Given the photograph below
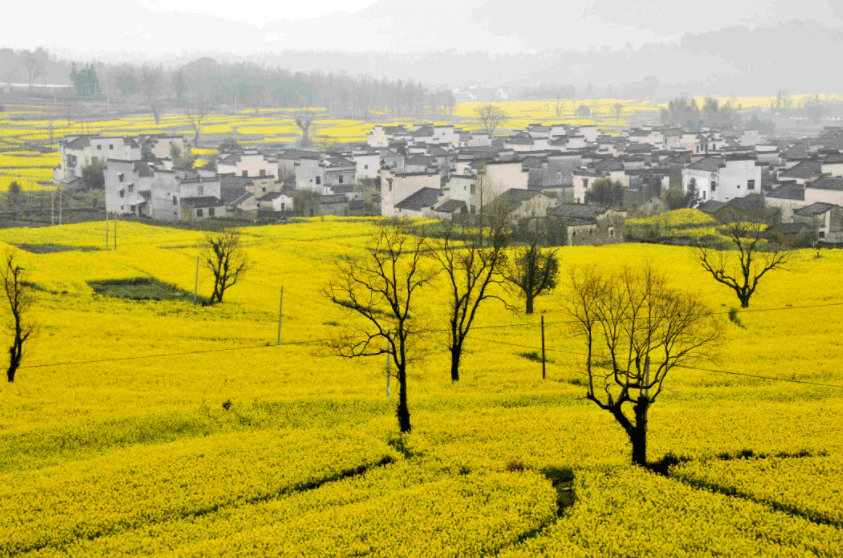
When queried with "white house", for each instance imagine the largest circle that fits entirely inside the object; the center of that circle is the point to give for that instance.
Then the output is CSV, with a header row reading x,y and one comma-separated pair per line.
x,y
78,151
397,187
128,187
380,136
723,178
368,163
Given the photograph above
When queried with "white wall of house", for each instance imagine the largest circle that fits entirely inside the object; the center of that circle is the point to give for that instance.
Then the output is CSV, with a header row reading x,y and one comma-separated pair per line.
x,y
377,137
736,180
398,187
251,165
100,148
161,146
507,175
445,134
689,142
582,182
165,202
368,164
739,179
813,195
833,169
480,139
199,188
786,207
589,132
123,189
310,175
461,187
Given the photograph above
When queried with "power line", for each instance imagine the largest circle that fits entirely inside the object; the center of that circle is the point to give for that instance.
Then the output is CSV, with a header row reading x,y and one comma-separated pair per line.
x,y
185,353
758,376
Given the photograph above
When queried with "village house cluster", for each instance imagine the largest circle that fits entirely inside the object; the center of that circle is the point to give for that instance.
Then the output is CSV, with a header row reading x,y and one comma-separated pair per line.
x,y
544,171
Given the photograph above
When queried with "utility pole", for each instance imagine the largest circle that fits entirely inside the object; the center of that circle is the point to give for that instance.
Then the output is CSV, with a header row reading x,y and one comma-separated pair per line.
x,y
115,230
60,203
196,282
280,313
646,392
53,207
544,371
106,230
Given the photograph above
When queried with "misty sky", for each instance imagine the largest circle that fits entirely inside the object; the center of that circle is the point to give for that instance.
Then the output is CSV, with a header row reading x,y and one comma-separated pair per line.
x,y
257,12
189,28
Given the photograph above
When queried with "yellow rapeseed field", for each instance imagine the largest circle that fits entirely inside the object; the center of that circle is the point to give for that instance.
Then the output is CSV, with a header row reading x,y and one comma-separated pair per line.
x,y
139,428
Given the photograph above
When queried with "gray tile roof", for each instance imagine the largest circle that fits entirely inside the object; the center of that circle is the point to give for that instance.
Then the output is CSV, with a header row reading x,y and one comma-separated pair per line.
x,y
424,198
815,209
835,183
451,206
805,169
711,206
579,211
200,202
709,164
789,191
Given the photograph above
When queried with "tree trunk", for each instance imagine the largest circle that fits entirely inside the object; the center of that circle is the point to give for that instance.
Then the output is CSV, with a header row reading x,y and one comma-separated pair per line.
x,y
638,434
456,352
403,412
15,354
529,304
744,301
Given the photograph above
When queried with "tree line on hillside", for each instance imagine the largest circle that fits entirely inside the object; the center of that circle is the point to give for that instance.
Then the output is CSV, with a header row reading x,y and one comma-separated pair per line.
x,y
241,84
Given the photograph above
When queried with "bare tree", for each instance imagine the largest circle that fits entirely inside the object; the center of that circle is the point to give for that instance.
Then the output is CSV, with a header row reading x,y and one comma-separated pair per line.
x,y
196,112
560,102
34,65
742,269
618,108
178,83
646,329
472,272
304,120
224,255
491,117
532,272
19,297
380,287
151,81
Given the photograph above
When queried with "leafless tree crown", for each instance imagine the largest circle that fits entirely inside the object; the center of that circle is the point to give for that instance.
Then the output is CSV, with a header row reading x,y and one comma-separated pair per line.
x,y
636,329
753,256
491,117
223,254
